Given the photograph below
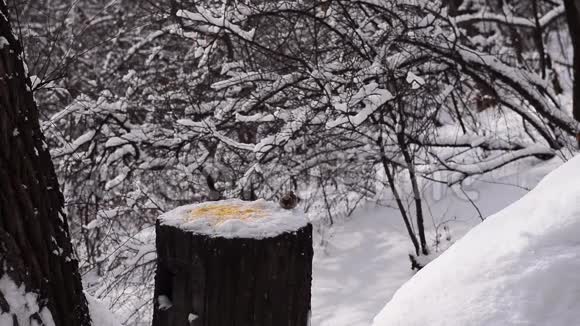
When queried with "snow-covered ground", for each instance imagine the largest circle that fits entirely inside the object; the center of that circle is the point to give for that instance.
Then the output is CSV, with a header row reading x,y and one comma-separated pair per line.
x,y
366,257
520,267
364,263
100,314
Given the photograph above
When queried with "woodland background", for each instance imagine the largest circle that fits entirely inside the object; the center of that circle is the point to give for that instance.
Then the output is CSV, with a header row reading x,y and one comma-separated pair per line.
x,y
148,105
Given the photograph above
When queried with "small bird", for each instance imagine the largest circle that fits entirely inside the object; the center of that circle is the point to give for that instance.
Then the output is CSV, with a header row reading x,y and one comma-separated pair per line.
x,y
289,200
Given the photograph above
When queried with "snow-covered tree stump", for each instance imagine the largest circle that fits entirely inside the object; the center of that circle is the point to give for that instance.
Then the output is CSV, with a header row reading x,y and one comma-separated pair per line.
x,y
231,263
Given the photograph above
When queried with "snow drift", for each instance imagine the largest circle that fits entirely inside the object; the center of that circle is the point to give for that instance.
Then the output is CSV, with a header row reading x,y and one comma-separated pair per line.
x,y
519,267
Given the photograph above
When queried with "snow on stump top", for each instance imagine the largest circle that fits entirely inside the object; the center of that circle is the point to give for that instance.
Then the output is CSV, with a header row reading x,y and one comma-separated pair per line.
x,y
234,218
233,262
519,267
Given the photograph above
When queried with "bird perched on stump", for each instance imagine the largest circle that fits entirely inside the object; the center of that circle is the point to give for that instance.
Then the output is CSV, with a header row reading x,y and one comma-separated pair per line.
x,y
289,200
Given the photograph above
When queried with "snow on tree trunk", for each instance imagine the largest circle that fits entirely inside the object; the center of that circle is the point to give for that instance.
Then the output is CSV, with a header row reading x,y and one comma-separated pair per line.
x,y
233,263
39,279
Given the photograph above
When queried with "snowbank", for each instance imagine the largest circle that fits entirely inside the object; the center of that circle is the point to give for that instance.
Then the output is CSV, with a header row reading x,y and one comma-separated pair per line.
x,y
21,305
519,267
234,218
100,315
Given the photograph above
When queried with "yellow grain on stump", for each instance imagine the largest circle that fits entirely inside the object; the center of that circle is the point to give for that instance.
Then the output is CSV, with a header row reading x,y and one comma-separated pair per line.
x,y
220,213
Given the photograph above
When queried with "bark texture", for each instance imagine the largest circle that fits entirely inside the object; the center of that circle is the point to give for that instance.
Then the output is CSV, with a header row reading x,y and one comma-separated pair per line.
x,y
573,17
225,282
35,247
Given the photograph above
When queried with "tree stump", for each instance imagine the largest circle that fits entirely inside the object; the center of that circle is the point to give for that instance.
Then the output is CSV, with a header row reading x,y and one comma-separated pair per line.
x,y
232,263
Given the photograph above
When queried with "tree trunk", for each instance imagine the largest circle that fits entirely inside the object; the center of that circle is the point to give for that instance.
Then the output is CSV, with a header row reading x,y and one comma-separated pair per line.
x,y
214,281
35,249
573,17
416,193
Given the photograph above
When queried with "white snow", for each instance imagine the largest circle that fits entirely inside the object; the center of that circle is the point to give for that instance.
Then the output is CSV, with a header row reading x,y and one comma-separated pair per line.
x,y
215,24
75,145
414,80
192,317
100,315
371,95
510,19
98,222
164,302
244,78
22,305
519,267
359,268
35,81
249,219
365,258
115,181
